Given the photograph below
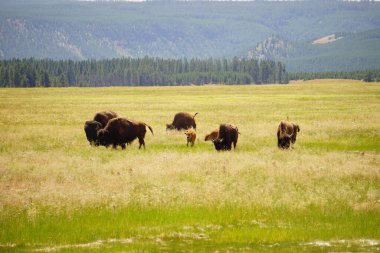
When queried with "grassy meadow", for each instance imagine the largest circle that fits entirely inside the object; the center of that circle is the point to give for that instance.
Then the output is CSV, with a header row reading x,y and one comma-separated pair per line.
x,y
59,194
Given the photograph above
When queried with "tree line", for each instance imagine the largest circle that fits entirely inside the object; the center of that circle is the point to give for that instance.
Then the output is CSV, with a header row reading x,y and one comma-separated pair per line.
x,y
138,72
365,75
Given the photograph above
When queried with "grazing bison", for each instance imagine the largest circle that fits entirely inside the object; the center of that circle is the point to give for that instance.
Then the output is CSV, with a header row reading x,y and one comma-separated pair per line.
x,y
212,136
228,134
286,134
121,131
191,135
104,116
91,129
100,120
182,120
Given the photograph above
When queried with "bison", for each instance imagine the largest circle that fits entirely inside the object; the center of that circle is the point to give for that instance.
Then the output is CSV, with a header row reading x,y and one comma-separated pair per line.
x,y
122,131
182,120
91,129
228,134
212,136
100,120
191,135
286,134
104,116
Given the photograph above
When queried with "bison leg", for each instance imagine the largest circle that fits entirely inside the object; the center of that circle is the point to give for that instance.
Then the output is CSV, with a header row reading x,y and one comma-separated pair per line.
x,y
142,142
234,144
114,146
122,146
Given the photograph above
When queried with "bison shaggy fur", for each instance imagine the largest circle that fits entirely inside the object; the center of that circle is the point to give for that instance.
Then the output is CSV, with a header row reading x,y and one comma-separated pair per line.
x,y
228,135
286,134
122,131
182,120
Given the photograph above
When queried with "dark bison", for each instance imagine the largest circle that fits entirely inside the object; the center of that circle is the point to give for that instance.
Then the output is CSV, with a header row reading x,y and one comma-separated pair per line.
x,y
286,134
92,127
121,131
228,134
182,120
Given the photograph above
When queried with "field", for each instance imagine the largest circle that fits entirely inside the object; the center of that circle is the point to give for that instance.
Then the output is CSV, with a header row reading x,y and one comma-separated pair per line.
x,y
59,194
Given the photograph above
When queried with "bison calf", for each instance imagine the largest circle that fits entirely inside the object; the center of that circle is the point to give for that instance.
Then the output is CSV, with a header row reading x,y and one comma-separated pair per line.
x,y
121,131
286,134
228,134
182,120
212,136
191,135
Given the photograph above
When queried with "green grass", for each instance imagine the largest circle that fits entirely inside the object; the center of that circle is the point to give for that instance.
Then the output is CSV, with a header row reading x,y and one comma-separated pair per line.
x,y
60,194
203,228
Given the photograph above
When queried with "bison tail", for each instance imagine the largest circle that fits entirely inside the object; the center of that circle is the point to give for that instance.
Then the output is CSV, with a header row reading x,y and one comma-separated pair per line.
x,y
195,115
150,128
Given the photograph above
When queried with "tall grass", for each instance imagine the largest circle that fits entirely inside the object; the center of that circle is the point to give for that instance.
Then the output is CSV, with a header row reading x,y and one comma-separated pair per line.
x,y
56,189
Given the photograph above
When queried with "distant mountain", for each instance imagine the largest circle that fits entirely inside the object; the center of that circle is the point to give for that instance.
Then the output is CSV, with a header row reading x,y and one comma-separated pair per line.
x,y
335,52
283,30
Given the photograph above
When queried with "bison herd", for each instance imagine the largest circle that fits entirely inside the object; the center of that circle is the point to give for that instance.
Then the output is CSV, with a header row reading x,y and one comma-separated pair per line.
x,y
107,129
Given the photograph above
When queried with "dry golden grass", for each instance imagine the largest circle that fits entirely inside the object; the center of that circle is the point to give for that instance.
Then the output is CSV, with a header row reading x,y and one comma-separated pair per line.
x,y
45,158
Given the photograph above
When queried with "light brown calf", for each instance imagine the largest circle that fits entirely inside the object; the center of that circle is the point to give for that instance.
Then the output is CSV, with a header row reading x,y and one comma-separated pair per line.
x,y
212,136
191,135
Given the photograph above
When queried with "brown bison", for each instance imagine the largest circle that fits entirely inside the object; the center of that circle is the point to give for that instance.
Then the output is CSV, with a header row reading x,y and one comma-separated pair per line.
x,y
182,120
92,127
212,136
286,134
104,116
228,134
191,135
122,131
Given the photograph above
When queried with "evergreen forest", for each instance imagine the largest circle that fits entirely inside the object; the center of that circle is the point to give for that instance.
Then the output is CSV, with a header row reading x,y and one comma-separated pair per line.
x,y
138,72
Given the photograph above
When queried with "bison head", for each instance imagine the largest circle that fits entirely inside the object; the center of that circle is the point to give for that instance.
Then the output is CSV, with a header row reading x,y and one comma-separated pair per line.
x,y
91,128
103,137
284,142
219,144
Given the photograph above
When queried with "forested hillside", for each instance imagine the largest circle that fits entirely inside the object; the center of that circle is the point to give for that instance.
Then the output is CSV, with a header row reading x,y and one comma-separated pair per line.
x,y
347,52
81,30
138,72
